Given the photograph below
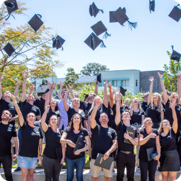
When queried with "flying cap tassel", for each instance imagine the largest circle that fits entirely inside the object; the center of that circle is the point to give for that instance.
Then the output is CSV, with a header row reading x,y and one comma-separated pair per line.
x,y
106,35
101,10
172,47
103,45
132,25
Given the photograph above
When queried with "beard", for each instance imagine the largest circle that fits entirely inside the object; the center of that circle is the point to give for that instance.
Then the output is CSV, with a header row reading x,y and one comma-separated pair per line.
x,y
4,119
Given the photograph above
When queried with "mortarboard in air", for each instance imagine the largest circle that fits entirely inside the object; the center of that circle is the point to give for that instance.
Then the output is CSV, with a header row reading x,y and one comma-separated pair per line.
x,y
42,89
112,18
11,6
122,90
121,17
175,13
93,41
99,28
175,55
93,10
9,49
99,78
58,42
152,5
36,22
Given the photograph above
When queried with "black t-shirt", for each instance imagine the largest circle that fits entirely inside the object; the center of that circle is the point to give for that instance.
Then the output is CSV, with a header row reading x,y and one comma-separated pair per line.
x,y
26,108
73,137
52,143
102,140
168,142
149,144
111,122
7,106
51,113
40,103
144,106
125,107
30,140
6,133
121,128
136,118
154,114
101,110
71,112
168,113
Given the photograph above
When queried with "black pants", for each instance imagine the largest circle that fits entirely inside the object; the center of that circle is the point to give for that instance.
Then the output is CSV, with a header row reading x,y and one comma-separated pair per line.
x,y
7,164
148,167
52,168
125,160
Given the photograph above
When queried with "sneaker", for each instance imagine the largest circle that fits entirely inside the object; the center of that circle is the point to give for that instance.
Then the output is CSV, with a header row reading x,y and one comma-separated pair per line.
x,y
17,169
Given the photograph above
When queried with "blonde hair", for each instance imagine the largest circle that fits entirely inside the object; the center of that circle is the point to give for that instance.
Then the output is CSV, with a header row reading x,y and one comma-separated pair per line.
x,y
160,107
93,104
160,129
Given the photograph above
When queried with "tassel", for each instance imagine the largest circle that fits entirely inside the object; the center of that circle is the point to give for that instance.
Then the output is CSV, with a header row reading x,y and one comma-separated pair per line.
x,y
103,45
172,47
106,35
62,49
39,15
101,10
8,17
132,25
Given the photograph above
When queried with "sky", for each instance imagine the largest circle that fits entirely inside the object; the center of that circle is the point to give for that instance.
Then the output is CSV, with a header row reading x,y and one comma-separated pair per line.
x,y
144,48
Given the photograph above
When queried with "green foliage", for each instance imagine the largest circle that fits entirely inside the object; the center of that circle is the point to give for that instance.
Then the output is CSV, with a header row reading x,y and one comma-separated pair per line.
x,y
71,79
92,69
170,74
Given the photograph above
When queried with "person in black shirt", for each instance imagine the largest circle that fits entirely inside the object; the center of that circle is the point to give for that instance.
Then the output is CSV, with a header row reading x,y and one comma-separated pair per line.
x,y
144,103
155,108
6,104
7,132
169,160
51,164
31,147
75,159
127,103
125,156
104,141
148,138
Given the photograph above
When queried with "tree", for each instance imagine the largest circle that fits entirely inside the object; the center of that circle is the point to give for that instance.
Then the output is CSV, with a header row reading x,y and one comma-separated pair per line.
x,y
92,69
32,49
170,74
71,79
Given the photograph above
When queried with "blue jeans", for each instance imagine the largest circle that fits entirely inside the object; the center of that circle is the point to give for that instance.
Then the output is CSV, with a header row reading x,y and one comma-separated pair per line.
x,y
20,140
78,164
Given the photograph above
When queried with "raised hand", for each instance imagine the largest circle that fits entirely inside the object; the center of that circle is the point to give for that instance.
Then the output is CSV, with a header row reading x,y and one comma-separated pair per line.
x,y
70,87
25,76
109,85
160,76
61,84
47,108
96,82
117,96
105,83
53,85
32,87
151,79
18,83
13,97
178,76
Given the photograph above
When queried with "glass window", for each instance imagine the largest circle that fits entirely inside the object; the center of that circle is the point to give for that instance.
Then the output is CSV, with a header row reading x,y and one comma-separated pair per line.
x,y
116,83
125,83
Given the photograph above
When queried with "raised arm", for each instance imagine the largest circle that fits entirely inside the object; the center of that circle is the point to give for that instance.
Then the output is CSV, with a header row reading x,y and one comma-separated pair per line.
x,y
163,88
43,119
21,119
175,120
118,114
110,95
71,92
51,88
93,115
105,100
16,89
179,85
96,87
60,90
25,76
32,87
0,87
64,99
151,89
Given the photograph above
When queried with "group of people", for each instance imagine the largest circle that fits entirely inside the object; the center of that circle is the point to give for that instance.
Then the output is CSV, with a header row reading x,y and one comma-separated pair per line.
x,y
105,126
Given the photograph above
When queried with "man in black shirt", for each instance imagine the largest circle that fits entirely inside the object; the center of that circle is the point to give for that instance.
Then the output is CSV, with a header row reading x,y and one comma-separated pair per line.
x,y
7,131
125,156
104,141
6,104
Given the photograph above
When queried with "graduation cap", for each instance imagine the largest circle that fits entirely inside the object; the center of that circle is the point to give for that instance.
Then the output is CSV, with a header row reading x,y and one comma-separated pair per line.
x,y
86,96
93,10
175,13
122,90
152,5
175,55
58,42
99,28
11,6
42,89
9,49
93,41
120,16
99,78
36,22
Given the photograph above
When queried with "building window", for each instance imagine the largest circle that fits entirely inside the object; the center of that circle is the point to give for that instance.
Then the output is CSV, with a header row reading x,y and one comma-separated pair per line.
x,y
116,83
136,83
125,83
109,81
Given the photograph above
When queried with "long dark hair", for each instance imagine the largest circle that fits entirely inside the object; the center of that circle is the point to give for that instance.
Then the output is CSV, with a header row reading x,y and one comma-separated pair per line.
x,y
72,124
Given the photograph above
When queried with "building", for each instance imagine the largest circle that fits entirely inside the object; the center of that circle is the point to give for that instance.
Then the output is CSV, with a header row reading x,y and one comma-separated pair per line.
x,y
133,80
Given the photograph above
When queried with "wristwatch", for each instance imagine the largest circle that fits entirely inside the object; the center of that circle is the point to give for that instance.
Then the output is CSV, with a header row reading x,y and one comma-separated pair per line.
x,y
40,155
